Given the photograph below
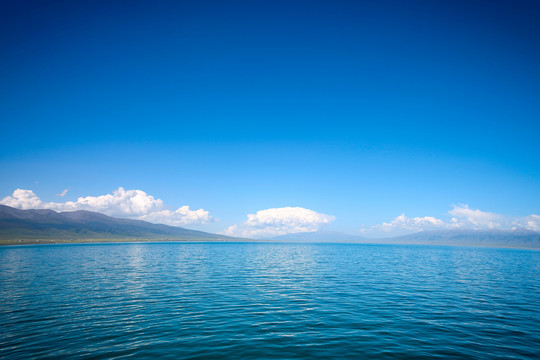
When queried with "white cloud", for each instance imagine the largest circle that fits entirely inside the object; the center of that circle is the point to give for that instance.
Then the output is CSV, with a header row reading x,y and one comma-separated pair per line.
x,y
63,193
403,222
460,217
182,216
279,221
476,219
531,222
23,199
122,203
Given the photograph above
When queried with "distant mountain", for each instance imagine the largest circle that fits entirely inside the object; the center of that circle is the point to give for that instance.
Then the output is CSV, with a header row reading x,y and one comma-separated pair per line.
x,y
48,226
30,226
519,238
318,236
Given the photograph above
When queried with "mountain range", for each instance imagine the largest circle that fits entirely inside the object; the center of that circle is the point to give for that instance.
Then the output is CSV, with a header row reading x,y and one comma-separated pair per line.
x,y
517,238
48,226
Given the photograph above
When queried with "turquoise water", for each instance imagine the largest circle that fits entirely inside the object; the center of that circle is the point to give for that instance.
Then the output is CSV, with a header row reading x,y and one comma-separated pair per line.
x,y
268,301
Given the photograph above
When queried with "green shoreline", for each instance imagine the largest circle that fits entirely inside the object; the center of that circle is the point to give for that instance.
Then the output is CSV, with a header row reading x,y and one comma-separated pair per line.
x,y
228,240
119,240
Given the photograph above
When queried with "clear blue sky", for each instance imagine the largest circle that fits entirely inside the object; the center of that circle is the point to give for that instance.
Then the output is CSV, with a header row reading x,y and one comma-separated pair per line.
x,y
362,110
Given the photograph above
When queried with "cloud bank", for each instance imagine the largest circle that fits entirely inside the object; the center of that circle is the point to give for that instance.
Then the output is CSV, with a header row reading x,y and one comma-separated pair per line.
x,y
279,221
135,204
461,217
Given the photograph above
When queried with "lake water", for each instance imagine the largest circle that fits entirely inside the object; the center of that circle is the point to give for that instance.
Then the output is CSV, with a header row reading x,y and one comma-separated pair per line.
x,y
268,301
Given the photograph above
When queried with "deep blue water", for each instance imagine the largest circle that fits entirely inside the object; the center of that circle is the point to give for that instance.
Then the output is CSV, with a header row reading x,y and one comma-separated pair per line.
x,y
268,301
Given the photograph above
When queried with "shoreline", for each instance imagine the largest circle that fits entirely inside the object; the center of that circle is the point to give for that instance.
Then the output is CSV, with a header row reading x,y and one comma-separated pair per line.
x,y
19,242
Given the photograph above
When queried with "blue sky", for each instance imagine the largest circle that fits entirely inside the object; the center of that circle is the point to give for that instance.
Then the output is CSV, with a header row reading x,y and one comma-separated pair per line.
x,y
360,111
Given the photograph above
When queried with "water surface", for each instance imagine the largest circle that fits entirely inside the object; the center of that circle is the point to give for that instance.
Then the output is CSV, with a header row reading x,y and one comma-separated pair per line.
x,y
268,301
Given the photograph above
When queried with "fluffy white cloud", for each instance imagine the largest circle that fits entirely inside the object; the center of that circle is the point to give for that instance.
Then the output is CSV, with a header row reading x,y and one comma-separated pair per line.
x,y
23,199
120,203
531,222
279,221
403,222
461,217
123,203
466,217
182,216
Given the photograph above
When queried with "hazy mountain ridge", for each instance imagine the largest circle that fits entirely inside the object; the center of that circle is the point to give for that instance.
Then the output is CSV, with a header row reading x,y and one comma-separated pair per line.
x,y
24,226
34,224
518,238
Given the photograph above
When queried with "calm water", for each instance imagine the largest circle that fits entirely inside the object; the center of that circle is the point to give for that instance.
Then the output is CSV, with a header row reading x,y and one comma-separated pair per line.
x,y
268,301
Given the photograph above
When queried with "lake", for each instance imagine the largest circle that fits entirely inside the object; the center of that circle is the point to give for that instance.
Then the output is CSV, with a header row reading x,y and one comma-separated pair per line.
x,y
268,301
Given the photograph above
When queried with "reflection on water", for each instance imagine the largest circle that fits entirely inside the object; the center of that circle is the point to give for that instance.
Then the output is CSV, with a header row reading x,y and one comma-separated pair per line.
x,y
267,301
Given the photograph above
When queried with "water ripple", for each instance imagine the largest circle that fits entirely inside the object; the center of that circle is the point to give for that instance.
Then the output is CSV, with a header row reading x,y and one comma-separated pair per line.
x,y
268,301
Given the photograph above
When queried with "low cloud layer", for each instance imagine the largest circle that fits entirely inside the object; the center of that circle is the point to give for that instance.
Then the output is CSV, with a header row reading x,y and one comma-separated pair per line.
x,y
460,217
135,204
531,222
279,221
